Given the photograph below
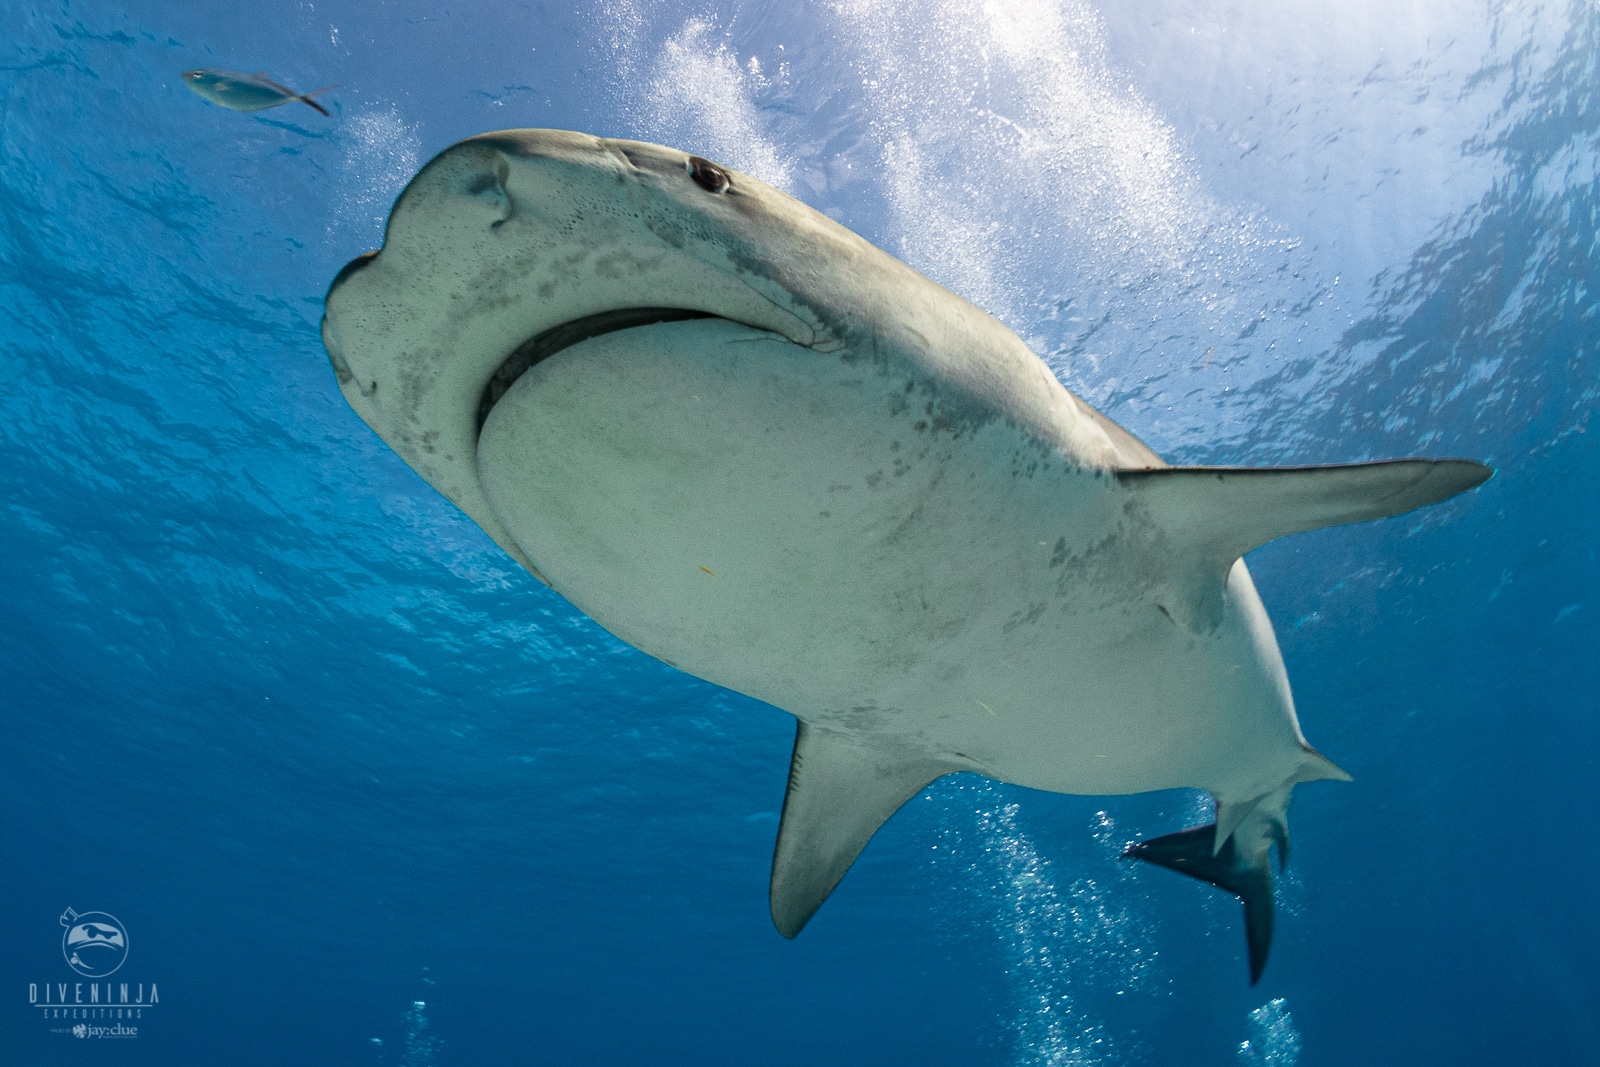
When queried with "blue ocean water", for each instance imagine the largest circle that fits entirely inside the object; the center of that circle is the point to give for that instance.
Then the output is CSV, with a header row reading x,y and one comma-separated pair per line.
x,y
358,791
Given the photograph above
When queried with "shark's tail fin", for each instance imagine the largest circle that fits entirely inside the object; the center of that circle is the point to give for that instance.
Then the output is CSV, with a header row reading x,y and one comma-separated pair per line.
x,y
1246,876
305,98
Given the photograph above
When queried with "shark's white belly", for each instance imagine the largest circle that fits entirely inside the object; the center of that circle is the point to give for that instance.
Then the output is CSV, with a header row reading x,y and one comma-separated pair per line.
x,y
816,531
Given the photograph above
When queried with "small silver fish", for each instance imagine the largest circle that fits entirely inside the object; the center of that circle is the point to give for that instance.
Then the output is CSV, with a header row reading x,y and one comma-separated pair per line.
x,y
246,92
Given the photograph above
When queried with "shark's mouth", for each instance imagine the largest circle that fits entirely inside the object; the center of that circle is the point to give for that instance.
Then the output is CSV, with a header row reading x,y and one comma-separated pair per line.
x,y
542,346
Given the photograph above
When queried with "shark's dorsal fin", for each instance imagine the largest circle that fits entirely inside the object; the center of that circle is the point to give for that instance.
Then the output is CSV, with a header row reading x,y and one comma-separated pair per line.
x,y
840,792
1207,517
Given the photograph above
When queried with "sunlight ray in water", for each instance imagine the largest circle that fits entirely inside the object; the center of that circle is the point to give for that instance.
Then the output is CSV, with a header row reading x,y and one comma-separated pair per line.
x,y
1079,218
700,95
693,90
1026,104
381,153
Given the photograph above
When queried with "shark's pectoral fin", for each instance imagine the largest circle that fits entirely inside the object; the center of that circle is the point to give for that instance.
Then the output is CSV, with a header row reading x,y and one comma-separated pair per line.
x,y
840,792
1247,875
1220,513
1233,509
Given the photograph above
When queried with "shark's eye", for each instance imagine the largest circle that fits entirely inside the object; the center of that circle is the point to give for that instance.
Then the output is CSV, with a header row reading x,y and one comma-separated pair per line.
x,y
708,176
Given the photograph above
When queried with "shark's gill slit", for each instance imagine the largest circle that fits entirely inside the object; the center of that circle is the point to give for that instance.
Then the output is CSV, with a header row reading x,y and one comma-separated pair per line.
x,y
541,346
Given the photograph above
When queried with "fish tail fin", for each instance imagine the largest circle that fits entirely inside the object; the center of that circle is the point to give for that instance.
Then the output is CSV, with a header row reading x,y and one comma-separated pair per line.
x,y
305,98
1244,872
1235,853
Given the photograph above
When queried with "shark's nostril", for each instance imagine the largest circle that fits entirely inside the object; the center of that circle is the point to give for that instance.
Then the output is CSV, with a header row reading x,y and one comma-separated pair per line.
x,y
708,176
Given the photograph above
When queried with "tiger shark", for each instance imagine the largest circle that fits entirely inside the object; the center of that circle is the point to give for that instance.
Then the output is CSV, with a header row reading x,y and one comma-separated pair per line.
x,y
758,448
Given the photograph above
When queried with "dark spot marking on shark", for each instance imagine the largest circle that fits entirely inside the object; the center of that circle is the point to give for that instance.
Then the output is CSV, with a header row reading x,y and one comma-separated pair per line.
x,y
708,176
1059,556
542,346
1020,618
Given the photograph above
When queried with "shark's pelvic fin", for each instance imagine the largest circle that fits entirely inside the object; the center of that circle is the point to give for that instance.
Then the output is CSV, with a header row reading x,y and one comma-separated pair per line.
x,y
1229,816
1246,873
1214,515
840,792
